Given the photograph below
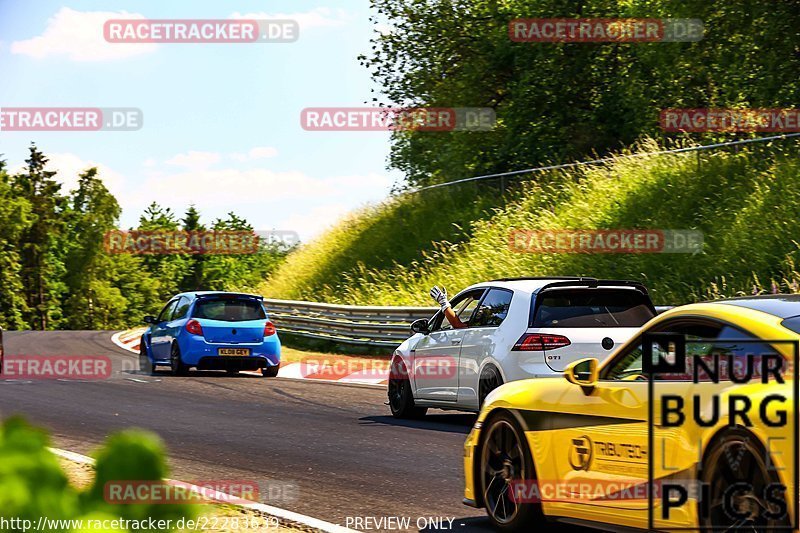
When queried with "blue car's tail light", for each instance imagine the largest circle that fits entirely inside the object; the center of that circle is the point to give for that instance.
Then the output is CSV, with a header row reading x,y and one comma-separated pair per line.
x,y
269,329
194,327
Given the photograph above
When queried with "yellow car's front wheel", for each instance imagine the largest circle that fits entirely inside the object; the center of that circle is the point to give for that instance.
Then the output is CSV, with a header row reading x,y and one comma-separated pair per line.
x,y
506,470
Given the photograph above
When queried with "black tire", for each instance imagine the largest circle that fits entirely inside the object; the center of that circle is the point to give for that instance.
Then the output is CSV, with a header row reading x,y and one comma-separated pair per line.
x,y
490,380
146,366
401,398
737,456
270,371
177,367
505,458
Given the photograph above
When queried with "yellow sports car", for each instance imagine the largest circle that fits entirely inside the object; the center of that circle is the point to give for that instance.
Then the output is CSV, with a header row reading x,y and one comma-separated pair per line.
x,y
689,425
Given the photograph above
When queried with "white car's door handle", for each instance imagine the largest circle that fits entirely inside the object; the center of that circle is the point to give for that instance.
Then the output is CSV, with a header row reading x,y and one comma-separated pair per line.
x,y
456,341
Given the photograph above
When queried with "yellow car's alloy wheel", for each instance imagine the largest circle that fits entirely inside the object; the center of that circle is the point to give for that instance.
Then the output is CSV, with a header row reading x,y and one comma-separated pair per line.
x,y
738,458
506,464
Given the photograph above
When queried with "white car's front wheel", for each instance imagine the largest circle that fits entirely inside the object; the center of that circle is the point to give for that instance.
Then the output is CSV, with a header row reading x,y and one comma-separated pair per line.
x,y
401,397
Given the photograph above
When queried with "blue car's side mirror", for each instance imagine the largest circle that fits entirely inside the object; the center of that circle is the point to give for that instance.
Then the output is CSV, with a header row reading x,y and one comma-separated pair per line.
x,y
150,319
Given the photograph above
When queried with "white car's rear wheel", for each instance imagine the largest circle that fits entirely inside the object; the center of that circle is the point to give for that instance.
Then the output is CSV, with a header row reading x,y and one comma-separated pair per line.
x,y
490,380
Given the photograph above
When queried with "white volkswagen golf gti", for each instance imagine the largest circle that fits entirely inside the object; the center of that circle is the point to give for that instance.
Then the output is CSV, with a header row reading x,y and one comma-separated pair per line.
x,y
514,329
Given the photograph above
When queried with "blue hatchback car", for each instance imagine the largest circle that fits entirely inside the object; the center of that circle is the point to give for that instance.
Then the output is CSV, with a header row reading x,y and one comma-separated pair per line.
x,y
211,331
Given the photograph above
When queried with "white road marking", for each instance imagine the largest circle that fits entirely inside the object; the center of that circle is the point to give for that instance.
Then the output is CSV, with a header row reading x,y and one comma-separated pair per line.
x,y
277,512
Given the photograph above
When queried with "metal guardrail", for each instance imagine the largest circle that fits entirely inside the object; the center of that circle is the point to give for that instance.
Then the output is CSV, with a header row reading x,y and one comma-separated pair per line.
x,y
351,324
348,324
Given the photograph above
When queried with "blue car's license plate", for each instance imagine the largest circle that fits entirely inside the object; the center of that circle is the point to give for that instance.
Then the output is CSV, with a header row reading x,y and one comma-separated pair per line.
x,y
233,351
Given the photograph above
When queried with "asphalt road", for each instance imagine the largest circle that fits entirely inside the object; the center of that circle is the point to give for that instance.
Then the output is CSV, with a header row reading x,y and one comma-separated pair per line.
x,y
330,451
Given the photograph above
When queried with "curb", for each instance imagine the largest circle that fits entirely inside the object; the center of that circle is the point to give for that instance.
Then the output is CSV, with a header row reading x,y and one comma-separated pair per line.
x,y
306,522
129,340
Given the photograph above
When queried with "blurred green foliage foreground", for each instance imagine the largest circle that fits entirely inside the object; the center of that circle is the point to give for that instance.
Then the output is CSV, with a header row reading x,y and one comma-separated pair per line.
x,y
33,485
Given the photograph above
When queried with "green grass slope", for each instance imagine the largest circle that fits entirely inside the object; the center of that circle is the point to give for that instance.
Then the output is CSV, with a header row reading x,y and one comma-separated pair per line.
x,y
399,231
747,204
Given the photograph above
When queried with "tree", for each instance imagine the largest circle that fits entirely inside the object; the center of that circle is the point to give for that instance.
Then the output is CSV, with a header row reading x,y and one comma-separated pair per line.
x,y
40,265
240,271
93,302
15,218
557,102
193,280
55,271
168,269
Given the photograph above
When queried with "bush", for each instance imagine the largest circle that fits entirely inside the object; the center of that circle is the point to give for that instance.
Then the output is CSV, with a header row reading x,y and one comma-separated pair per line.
x,y
32,484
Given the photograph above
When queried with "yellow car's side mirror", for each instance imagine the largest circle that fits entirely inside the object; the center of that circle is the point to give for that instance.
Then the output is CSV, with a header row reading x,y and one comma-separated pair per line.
x,y
583,372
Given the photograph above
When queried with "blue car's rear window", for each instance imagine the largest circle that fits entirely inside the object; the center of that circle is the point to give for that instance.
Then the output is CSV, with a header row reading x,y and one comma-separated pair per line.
x,y
229,310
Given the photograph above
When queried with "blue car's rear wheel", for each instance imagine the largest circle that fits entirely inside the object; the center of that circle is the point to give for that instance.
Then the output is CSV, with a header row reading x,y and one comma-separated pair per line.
x,y
145,365
178,367
270,371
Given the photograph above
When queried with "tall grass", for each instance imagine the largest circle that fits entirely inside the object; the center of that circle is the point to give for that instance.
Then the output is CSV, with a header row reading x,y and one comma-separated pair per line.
x,y
747,204
401,231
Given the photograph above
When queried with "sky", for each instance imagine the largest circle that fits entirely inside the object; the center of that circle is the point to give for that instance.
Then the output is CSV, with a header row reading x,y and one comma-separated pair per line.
x,y
221,124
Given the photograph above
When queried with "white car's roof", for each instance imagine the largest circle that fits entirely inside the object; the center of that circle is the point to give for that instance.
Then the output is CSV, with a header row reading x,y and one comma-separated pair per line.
x,y
532,285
